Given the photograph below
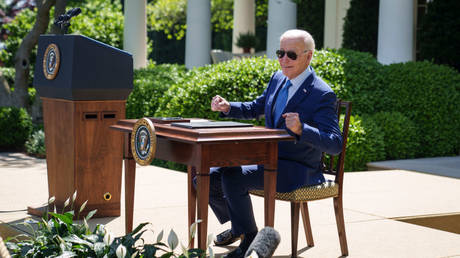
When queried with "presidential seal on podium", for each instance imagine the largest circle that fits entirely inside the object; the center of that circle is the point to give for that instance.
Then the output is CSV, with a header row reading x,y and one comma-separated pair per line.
x,y
143,142
51,61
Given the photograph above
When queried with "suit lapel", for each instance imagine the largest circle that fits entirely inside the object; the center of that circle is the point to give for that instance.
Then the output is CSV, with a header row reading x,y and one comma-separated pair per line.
x,y
301,93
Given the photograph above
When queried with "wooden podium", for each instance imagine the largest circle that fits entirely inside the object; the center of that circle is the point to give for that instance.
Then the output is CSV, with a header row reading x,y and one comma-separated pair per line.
x,y
84,85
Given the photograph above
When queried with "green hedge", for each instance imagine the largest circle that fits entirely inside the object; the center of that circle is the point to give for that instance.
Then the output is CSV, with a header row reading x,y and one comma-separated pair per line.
x,y
150,85
399,133
428,95
364,82
15,127
235,80
365,143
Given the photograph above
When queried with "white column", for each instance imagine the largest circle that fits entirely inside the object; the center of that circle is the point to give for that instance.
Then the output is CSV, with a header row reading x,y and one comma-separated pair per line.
x,y
243,20
282,16
395,40
198,35
135,32
335,12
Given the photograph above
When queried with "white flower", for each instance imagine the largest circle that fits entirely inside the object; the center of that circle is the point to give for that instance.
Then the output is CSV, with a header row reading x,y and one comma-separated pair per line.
x,y
121,251
108,238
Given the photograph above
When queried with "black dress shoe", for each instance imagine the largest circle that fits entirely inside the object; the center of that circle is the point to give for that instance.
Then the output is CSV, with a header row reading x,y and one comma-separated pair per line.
x,y
236,253
226,238
240,251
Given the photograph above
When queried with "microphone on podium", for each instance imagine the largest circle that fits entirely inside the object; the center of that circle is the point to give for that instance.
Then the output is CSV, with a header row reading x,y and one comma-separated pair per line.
x,y
264,244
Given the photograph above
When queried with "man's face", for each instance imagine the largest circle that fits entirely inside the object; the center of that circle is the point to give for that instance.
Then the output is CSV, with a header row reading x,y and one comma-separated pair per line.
x,y
292,68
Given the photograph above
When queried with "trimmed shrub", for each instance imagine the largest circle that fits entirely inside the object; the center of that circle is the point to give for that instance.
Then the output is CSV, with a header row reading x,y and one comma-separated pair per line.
x,y
400,135
15,127
35,145
354,76
428,95
360,28
150,85
329,66
235,80
364,82
365,143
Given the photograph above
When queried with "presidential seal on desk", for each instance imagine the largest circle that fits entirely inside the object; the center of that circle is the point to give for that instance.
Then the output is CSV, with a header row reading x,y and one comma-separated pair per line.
x,y
143,142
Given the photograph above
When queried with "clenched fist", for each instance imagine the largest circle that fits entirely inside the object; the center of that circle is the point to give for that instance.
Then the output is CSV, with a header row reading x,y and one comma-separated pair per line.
x,y
293,122
220,104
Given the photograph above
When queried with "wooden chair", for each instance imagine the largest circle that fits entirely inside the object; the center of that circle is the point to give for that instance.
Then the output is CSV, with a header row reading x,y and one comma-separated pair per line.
x,y
332,188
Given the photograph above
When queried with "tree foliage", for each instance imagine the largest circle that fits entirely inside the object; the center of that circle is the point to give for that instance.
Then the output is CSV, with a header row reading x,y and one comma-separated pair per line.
x,y
170,16
435,44
360,29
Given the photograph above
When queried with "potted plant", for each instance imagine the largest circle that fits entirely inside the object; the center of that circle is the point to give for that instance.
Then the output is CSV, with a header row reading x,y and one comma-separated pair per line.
x,y
246,41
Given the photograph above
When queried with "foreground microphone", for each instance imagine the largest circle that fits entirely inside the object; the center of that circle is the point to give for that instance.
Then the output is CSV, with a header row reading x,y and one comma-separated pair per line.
x,y
264,244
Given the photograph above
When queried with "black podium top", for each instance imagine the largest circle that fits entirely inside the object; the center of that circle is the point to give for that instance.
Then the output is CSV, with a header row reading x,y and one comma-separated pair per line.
x,y
75,67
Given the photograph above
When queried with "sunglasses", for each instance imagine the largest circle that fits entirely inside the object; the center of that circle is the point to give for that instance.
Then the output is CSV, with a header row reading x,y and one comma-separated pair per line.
x,y
291,54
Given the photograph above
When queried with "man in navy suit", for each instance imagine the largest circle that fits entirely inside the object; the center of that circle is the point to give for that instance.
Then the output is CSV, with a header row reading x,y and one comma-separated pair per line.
x,y
296,100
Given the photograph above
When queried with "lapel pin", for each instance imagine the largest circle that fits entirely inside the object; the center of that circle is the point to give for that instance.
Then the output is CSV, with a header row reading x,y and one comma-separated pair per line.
x,y
304,90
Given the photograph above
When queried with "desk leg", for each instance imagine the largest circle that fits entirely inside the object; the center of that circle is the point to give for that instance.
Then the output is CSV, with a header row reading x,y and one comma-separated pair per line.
x,y
269,198
203,200
191,173
130,179
270,185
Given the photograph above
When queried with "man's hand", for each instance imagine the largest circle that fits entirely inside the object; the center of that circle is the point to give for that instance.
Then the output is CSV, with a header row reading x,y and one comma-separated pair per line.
x,y
220,104
293,122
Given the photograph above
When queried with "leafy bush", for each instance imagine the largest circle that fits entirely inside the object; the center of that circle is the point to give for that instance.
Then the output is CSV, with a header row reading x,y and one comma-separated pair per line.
x,y
150,85
364,82
57,235
428,95
400,135
360,28
365,143
35,145
354,76
235,80
15,127
329,66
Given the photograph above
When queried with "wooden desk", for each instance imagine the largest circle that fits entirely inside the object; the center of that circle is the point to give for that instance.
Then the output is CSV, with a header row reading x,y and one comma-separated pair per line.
x,y
201,149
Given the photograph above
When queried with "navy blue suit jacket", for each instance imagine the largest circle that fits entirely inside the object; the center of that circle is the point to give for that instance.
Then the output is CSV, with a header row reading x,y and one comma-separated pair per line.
x,y
299,162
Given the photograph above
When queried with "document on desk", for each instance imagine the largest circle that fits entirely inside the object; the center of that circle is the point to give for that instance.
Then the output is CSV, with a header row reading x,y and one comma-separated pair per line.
x,y
211,124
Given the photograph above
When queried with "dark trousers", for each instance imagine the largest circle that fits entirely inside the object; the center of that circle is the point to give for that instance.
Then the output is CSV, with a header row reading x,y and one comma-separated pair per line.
x,y
229,198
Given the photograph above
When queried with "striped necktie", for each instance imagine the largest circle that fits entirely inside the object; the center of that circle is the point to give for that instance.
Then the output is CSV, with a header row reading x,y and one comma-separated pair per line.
x,y
281,101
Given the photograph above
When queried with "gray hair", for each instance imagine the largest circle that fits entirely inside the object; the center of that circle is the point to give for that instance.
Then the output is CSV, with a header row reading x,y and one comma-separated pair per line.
x,y
300,34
